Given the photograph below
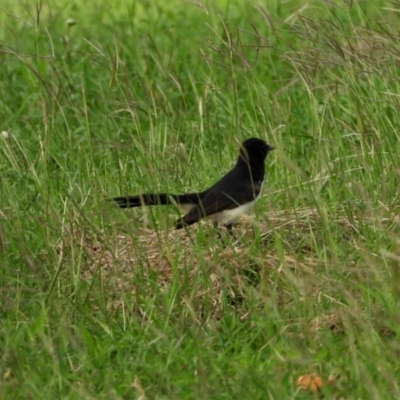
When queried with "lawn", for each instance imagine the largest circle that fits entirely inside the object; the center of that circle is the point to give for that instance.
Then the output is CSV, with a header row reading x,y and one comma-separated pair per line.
x,y
101,99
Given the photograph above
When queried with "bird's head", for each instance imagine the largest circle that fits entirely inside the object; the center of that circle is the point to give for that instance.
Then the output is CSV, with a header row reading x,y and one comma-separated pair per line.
x,y
254,150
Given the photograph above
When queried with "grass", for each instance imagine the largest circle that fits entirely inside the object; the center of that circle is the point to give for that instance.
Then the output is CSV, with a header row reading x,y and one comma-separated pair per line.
x,y
100,99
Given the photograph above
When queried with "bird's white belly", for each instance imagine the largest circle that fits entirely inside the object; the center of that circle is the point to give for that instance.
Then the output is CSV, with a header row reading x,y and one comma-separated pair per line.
x,y
230,216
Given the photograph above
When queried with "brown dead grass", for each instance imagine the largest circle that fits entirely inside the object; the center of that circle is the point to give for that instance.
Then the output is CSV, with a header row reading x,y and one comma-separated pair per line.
x,y
129,263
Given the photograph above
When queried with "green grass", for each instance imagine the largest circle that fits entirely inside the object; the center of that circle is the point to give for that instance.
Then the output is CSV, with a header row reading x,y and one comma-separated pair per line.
x,y
97,303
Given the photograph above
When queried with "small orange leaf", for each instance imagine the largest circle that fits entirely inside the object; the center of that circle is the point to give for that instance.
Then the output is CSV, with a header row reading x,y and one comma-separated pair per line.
x,y
331,381
310,382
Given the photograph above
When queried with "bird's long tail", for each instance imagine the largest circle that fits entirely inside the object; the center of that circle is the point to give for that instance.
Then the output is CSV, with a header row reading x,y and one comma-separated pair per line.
x,y
157,199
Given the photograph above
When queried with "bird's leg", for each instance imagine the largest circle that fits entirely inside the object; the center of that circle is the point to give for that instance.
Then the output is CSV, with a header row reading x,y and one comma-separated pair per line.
x,y
229,229
218,232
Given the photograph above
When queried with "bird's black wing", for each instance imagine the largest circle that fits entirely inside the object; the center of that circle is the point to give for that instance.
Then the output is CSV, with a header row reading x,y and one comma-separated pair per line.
x,y
218,201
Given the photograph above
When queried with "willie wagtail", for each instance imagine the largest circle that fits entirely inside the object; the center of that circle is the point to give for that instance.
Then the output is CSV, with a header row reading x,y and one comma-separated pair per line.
x,y
225,201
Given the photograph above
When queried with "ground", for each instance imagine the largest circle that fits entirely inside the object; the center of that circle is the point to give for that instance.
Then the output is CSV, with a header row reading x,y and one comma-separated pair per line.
x,y
106,99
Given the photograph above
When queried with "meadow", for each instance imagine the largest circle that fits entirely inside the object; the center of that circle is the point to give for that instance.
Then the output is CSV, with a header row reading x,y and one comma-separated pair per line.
x,y
111,98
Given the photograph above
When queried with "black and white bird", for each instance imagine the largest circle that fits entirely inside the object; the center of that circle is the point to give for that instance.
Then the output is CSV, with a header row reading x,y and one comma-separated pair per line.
x,y
224,202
